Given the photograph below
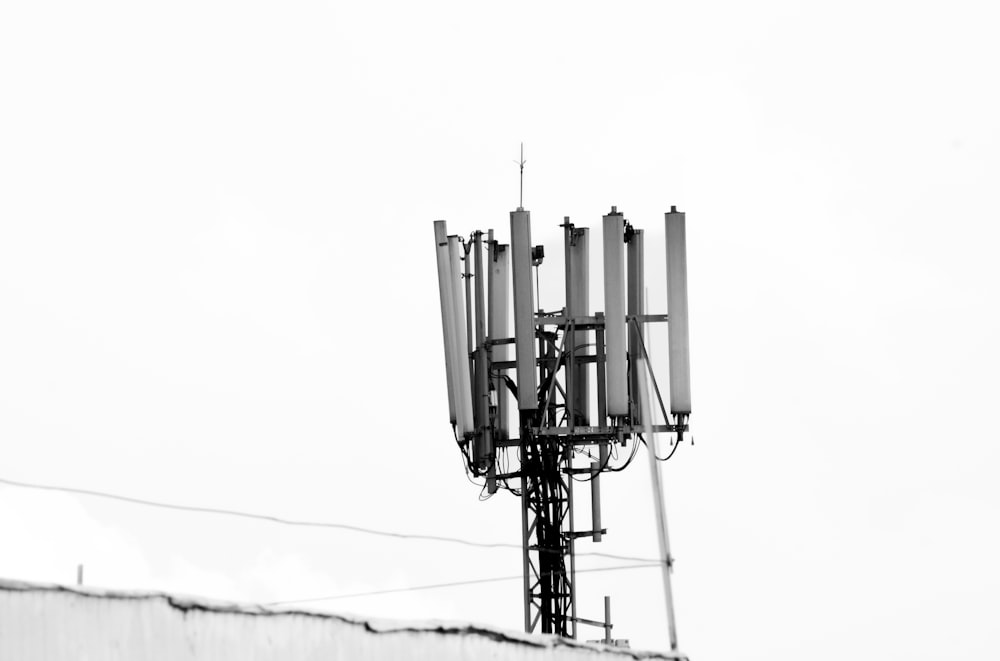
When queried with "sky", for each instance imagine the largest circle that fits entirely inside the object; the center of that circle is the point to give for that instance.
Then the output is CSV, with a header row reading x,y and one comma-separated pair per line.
x,y
218,288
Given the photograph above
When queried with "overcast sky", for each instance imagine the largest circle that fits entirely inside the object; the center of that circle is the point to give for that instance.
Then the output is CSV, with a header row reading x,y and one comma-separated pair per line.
x,y
218,287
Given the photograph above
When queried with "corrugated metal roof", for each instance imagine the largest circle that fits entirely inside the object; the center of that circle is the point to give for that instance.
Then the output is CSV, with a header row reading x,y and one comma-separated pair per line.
x,y
56,622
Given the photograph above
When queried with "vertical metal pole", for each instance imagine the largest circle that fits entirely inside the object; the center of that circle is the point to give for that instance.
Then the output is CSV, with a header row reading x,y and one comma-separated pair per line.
x,y
544,536
489,285
79,574
572,542
607,620
602,391
595,498
664,542
602,419
577,390
569,342
526,537
659,509
543,517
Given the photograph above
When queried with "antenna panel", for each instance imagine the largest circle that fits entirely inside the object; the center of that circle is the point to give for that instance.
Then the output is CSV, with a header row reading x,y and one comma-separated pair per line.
x,y
578,305
637,330
447,312
614,313
483,445
677,314
463,381
499,328
524,310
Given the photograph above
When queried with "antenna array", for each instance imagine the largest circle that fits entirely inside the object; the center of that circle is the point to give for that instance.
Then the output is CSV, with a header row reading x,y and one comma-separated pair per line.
x,y
543,388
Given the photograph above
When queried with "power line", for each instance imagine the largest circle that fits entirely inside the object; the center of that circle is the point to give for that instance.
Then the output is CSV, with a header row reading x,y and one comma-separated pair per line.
x,y
292,522
434,586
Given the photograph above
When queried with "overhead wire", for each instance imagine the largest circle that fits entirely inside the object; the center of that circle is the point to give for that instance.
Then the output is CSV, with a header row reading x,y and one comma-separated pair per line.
x,y
434,586
288,522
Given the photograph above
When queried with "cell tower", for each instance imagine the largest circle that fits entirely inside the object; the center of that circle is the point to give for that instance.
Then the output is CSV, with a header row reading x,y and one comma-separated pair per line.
x,y
542,390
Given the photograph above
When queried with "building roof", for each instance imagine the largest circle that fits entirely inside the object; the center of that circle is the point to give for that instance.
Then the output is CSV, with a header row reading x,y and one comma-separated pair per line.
x,y
50,621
